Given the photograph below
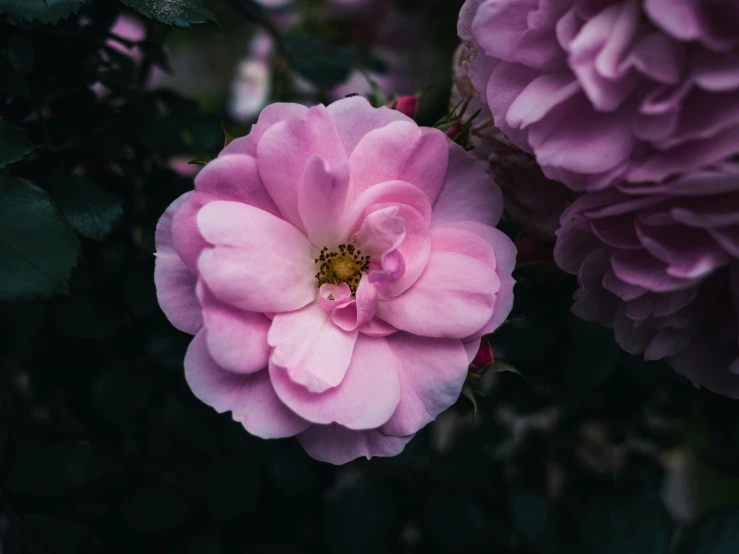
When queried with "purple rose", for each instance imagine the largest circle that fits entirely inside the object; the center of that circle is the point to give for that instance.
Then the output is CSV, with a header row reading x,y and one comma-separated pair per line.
x,y
530,198
661,266
609,92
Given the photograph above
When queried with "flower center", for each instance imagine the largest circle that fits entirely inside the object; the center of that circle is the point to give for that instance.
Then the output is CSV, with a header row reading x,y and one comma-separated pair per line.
x,y
343,266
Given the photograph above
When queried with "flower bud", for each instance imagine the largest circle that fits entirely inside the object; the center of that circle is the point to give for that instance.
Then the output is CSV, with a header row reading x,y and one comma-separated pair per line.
x,y
484,357
407,105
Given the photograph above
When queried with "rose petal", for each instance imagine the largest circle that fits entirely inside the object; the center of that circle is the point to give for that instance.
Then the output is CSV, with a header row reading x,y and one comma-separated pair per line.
x,y
313,351
237,340
175,283
321,200
338,445
283,155
433,372
452,298
365,399
250,398
400,151
260,263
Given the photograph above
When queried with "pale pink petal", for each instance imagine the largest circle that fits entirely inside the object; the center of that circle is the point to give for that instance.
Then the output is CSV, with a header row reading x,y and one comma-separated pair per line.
x,y
453,298
381,230
468,193
402,261
400,151
260,263
313,351
505,250
471,349
433,372
355,117
357,312
186,237
332,296
250,398
338,445
321,200
390,270
237,340
389,193
452,239
365,399
377,328
272,114
175,283
283,155
235,177
503,307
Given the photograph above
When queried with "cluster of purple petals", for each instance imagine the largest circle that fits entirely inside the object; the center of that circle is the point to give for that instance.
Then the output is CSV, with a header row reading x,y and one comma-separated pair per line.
x,y
633,104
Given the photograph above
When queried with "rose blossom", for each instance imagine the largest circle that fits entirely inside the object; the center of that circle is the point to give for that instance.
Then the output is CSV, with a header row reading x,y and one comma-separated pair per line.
x,y
661,266
337,267
603,91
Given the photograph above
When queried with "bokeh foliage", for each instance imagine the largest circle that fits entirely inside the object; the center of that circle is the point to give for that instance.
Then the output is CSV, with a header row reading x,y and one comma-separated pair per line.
x,y
104,449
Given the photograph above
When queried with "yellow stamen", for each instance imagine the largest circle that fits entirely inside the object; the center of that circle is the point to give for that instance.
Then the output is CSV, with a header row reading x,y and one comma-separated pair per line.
x,y
343,266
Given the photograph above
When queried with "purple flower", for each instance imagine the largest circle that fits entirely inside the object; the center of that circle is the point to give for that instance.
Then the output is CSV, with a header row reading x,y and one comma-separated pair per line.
x,y
609,91
530,198
661,266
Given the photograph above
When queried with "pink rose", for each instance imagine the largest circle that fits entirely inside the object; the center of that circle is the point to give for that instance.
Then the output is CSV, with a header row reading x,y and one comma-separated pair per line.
x,y
337,267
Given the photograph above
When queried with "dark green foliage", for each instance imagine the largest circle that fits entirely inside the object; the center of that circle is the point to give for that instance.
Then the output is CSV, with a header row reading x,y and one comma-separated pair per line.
x,y
103,447
89,209
715,533
322,63
15,145
178,13
43,11
37,247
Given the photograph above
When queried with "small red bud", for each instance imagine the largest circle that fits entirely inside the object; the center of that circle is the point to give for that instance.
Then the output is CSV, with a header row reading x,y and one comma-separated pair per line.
x,y
484,357
455,130
407,105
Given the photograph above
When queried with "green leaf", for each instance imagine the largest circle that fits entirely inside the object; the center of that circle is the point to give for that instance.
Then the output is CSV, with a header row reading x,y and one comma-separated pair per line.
x,y
617,524
251,10
715,533
322,63
533,518
20,54
176,13
38,248
500,366
90,210
471,395
233,489
45,470
44,11
13,143
60,536
155,511
361,520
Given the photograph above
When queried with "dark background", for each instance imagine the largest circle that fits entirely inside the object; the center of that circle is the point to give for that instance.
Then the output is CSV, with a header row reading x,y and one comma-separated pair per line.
x,y
104,449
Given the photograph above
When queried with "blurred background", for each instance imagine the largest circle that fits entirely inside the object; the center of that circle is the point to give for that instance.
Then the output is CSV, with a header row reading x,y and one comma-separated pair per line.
x,y
581,449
